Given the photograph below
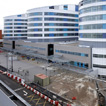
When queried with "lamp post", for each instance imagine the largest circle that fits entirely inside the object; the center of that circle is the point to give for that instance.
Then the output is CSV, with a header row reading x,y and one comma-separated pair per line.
x,y
12,61
46,79
7,61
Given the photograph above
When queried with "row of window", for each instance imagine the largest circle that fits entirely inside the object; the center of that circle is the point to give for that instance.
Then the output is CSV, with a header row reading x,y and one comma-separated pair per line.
x,y
93,18
72,53
15,20
60,24
35,14
61,34
15,24
16,34
90,1
79,64
34,35
61,14
99,55
15,31
15,27
93,9
53,19
53,24
93,26
53,35
20,19
99,66
92,35
34,30
59,29
35,19
20,34
35,24
60,19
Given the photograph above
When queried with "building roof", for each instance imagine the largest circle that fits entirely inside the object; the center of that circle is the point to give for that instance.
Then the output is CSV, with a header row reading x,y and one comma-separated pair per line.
x,y
42,76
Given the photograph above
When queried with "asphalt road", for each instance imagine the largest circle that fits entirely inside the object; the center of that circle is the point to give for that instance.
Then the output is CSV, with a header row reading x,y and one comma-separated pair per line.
x,y
27,95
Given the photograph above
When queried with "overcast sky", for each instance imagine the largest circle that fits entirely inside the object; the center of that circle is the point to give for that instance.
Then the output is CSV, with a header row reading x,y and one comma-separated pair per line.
x,y
13,7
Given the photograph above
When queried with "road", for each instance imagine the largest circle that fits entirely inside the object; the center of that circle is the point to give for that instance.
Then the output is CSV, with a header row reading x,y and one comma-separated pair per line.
x,y
27,95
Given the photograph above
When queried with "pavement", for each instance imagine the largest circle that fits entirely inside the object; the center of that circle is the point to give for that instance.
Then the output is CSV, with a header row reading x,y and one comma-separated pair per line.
x,y
33,67
27,95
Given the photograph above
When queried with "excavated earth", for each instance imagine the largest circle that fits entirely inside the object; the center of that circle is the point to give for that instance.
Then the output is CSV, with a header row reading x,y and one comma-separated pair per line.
x,y
71,84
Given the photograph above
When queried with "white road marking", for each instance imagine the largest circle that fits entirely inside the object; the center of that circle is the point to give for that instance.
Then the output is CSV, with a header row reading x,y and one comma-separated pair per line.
x,y
10,96
18,89
25,93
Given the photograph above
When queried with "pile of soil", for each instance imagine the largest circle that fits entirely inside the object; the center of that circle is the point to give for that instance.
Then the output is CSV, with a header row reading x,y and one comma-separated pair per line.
x,y
71,84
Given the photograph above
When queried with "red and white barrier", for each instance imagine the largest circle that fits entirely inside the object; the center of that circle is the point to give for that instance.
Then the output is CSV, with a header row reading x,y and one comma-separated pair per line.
x,y
1,71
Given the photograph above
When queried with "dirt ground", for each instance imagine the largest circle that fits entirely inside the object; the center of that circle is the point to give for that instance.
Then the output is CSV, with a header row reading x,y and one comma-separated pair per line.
x,y
71,84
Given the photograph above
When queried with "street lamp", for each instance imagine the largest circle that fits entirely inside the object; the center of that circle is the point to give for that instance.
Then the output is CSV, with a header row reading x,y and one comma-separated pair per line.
x,y
7,61
12,61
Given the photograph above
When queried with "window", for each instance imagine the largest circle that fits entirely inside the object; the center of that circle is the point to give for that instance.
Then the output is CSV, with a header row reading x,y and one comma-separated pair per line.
x,y
65,7
51,7
35,24
34,30
104,7
35,19
8,19
19,15
51,35
8,34
104,26
35,13
8,24
34,35
76,8
104,35
99,66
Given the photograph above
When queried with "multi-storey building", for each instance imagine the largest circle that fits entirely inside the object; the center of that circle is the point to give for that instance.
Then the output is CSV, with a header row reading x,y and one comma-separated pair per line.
x,y
93,31
53,23
15,27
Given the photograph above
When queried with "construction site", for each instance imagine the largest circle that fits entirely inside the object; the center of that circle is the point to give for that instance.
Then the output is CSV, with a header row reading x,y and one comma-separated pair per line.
x,y
76,88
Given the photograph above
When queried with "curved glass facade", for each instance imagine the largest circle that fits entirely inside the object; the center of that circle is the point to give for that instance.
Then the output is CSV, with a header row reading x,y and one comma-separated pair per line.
x,y
92,24
92,31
